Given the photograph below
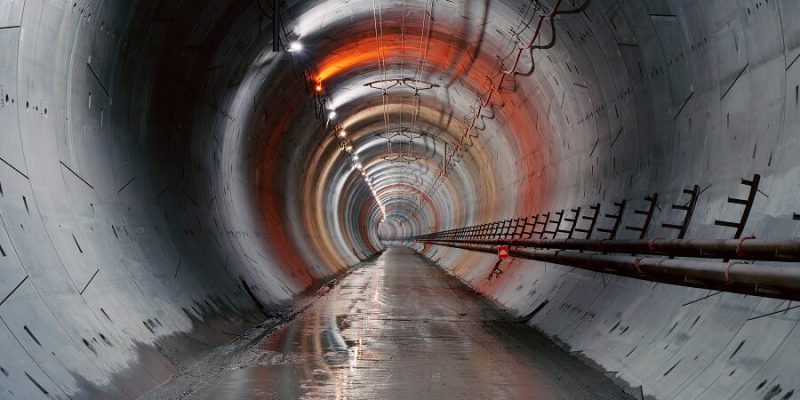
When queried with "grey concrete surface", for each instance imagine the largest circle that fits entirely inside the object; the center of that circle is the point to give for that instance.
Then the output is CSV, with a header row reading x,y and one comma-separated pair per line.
x,y
165,183
398,328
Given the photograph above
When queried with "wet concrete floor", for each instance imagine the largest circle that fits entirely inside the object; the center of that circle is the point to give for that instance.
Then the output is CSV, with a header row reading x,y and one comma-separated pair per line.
x,y
400,328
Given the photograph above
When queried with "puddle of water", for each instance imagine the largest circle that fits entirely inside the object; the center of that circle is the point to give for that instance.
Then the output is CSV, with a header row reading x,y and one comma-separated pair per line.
x,y
407,335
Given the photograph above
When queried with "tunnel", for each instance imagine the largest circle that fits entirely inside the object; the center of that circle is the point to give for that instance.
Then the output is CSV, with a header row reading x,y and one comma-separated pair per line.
x,y
566,198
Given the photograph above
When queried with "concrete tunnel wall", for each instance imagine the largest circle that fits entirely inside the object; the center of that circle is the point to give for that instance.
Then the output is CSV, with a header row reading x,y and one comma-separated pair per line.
x,y
163,179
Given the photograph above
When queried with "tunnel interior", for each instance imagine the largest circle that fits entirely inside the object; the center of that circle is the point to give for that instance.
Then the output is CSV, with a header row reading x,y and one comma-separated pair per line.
x,y
174,171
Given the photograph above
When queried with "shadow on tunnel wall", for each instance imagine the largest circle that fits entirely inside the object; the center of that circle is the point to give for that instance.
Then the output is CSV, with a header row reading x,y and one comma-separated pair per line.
x,y
129,225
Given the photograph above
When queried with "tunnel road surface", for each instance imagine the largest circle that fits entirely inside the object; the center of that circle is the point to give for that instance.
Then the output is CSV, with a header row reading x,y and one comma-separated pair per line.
x,y
401,328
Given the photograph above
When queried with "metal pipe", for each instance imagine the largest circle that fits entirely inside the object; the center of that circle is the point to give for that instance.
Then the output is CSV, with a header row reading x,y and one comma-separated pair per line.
x,y
740,249
767,280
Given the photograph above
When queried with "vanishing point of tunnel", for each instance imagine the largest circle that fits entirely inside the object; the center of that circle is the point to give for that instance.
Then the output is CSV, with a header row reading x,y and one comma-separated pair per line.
x,y
400,199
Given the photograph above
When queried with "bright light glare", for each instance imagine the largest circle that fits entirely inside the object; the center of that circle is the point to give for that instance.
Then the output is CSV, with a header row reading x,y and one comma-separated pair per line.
x,y
342,134
332,115
295,46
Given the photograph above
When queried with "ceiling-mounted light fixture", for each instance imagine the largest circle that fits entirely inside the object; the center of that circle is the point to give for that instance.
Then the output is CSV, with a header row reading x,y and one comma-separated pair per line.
x,y
332,114
295,46
342,134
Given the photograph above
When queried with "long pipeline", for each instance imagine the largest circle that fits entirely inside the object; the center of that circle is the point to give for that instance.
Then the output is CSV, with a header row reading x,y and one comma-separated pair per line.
x,y
747,248
776,280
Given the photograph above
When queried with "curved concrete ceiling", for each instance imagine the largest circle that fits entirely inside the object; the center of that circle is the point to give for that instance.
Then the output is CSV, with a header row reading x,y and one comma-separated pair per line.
x,y
164,173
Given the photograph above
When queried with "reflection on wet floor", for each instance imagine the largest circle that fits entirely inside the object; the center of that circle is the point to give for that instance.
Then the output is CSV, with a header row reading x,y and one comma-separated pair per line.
x,y
399,328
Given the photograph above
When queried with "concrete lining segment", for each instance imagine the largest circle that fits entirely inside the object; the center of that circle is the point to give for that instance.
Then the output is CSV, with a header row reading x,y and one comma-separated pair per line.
x,y
229,180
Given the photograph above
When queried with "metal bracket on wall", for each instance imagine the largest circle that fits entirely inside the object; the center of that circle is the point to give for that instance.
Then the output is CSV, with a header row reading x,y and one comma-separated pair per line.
x,y
648,216
612,233
415,84
493,231
452,233
557,223
544,224
694,193
479,234
512,227
519,228
747,203
532,225
592,221
508,228
499,229
574,221
478,231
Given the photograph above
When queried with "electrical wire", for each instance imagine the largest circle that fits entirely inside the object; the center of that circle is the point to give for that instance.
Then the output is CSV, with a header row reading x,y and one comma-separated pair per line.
x,y
487,98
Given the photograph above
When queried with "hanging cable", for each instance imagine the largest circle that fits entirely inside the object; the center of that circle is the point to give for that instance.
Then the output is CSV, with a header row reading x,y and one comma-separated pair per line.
x,y
487,98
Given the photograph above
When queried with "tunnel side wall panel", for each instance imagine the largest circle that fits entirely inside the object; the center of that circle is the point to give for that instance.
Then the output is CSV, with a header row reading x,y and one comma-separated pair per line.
x,y
109,274
710,102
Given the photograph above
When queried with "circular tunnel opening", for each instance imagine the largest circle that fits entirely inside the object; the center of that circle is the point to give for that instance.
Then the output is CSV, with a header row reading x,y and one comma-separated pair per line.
x,y
174,174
